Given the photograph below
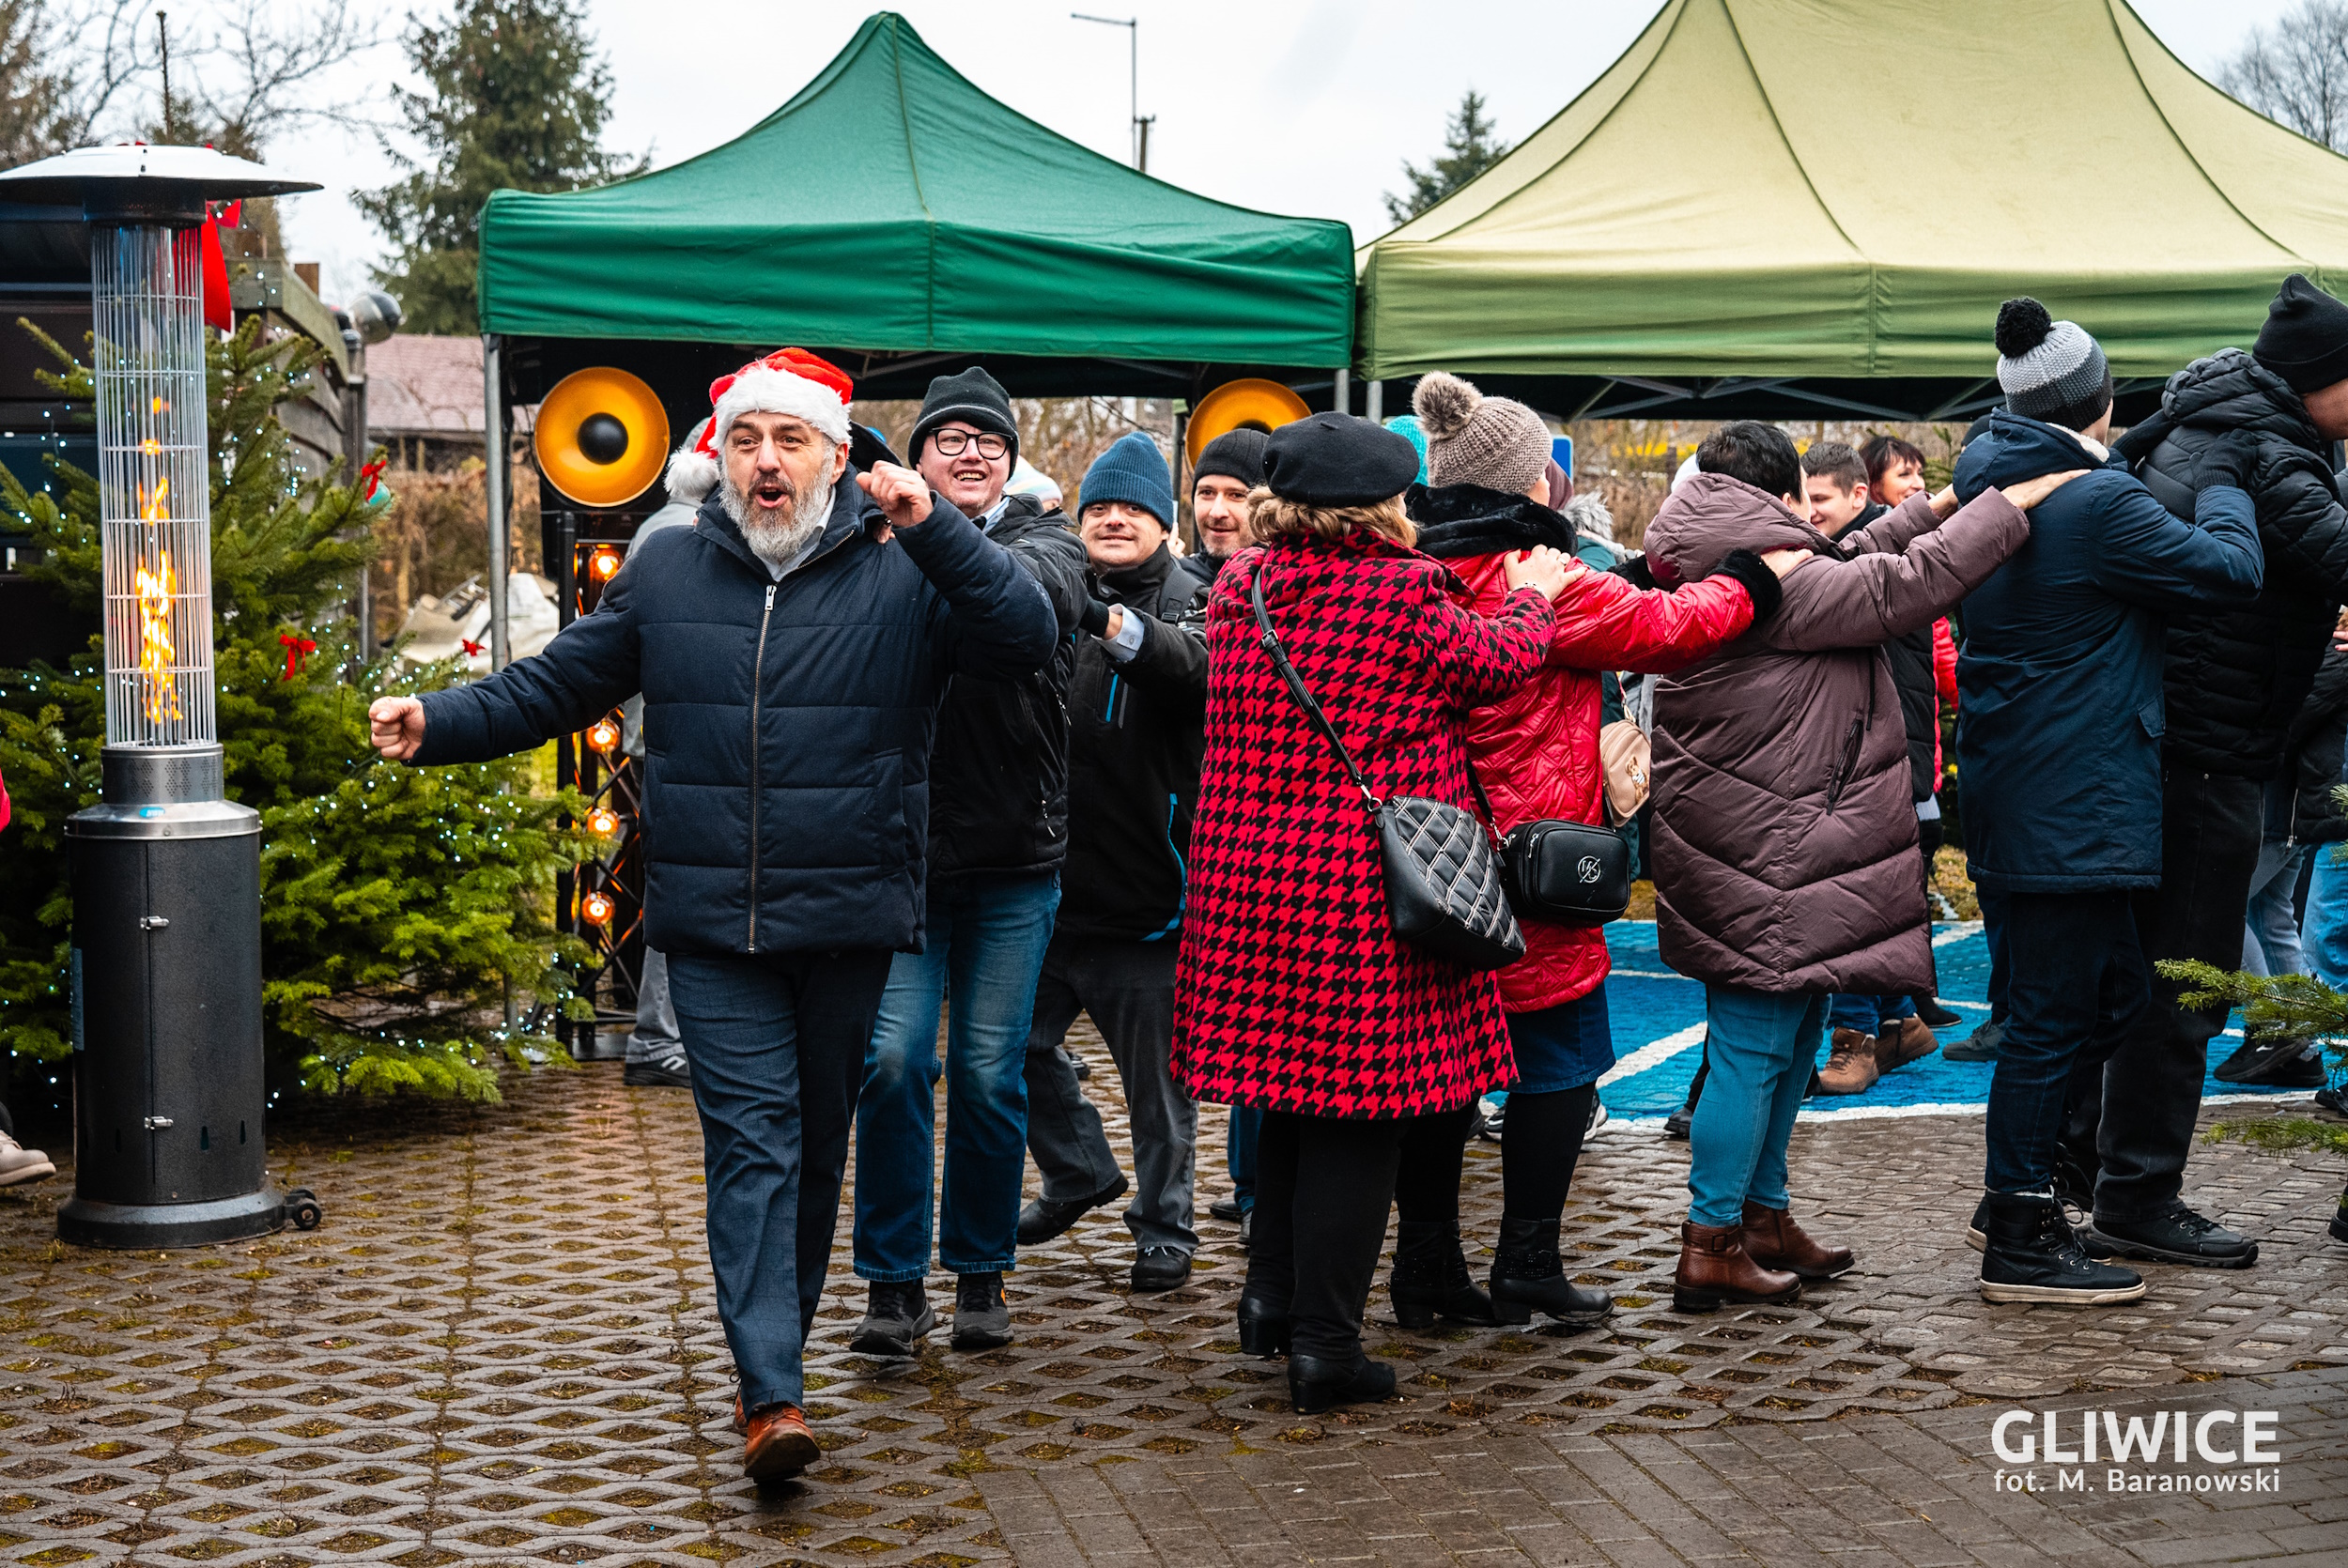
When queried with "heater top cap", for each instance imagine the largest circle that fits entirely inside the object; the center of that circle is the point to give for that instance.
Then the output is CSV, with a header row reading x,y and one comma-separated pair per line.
x,y
136,182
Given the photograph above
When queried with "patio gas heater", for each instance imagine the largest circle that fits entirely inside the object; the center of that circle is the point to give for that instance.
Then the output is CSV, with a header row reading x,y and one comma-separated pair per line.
x,y
167,1089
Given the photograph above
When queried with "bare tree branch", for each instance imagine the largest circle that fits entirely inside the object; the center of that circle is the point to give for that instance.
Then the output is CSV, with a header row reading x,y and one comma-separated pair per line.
x,y
2297,74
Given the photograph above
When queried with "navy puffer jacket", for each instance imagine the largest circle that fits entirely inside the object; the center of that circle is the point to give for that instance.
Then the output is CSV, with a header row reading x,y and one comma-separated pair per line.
x,y
2238,674
2059,721
787,725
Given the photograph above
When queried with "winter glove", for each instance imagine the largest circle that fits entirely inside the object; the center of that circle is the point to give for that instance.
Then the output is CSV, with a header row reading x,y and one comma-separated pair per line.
x,y
1096,618
1633,570
1760,582
2230,459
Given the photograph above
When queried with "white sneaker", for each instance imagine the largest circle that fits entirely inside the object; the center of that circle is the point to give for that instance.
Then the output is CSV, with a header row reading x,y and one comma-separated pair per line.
x,y
19,1163
1597,1117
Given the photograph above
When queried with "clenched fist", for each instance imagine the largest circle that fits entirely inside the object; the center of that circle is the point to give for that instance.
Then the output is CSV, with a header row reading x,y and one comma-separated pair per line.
x,y
903,496
396,725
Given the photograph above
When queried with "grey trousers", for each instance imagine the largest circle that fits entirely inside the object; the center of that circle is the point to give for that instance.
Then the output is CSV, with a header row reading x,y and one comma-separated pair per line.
x,y
655,1037
1128,987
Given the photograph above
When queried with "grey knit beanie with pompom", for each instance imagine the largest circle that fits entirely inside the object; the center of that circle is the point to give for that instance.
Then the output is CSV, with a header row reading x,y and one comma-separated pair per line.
x,y
1472,439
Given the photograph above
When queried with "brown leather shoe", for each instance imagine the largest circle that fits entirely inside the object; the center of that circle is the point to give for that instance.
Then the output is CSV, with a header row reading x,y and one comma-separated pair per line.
x,y
1850,1065
1774,1241
741,1422
1912,1042
779,1444
1714,1268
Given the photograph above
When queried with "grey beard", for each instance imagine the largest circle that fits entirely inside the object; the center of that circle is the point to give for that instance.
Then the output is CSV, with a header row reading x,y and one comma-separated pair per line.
x,y
777,534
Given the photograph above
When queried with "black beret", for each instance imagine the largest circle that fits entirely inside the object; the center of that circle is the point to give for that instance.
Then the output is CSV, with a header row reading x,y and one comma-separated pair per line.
x,y
1339,460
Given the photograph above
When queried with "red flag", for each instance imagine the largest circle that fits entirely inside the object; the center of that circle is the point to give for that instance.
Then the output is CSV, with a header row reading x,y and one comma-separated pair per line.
x,y
216,311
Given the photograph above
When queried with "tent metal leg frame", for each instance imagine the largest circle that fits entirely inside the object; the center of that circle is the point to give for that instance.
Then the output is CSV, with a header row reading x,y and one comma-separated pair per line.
x,y
493,455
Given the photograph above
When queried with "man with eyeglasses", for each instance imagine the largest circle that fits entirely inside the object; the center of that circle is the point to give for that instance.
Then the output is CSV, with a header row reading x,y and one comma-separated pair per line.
x,y
998,833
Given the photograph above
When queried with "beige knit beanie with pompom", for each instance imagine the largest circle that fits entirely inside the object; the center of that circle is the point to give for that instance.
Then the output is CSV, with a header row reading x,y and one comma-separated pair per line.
x,y
1472,439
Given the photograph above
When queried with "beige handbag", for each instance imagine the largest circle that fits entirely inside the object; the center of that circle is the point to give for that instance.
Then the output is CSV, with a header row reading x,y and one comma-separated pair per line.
x,y
1627,760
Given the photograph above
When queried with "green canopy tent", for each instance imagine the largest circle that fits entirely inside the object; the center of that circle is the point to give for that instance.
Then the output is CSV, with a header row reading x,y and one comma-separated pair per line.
x,y
1726,223
897,220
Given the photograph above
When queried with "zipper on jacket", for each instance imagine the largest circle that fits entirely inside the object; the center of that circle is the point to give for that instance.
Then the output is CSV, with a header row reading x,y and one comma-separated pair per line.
x,y
758,678
1850,764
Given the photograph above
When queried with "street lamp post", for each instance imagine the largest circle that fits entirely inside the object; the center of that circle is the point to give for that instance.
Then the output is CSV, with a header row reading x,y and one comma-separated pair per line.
x,y
166,958
1140,126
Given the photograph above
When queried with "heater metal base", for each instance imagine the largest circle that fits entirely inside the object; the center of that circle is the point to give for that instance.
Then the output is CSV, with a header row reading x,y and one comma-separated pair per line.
x,y
87,1223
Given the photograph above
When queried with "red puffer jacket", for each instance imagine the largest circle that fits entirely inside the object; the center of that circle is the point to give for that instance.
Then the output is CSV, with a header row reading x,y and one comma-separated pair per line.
x,y
1535,750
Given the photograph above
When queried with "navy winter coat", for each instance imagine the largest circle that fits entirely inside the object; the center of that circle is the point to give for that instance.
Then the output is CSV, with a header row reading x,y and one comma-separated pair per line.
x,y
2060,719
787,725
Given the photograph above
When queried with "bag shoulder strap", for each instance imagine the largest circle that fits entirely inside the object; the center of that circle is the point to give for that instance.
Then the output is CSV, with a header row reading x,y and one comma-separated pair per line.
x,y
1298,691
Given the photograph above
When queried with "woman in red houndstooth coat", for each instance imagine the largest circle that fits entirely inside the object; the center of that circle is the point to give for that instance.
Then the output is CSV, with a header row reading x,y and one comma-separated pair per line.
x,y
1293,994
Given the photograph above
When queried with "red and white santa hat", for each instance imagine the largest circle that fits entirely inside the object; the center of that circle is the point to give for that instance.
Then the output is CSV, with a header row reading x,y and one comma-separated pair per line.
x,y
787,381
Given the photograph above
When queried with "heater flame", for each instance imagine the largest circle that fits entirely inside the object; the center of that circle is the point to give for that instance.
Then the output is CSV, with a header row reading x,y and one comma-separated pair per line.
x,y
161,406
156,588
153,447
152,508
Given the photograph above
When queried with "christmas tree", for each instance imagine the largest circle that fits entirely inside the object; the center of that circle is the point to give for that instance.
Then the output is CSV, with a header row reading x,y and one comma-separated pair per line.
x,y
398,904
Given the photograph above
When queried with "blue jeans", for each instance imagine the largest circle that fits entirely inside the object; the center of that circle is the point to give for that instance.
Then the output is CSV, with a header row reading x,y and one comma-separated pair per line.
x,y
1761,1047
1247,1127
986,937
2326,946
1866,1014
775,1044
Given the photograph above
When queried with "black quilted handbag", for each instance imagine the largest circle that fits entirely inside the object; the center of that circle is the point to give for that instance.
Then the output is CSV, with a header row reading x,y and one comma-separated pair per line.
x,y
1444,888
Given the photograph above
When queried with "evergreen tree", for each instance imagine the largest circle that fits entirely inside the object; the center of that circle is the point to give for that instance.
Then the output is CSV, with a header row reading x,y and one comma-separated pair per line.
x,y
518,101
36,92
2298,1006
395,901
1470,148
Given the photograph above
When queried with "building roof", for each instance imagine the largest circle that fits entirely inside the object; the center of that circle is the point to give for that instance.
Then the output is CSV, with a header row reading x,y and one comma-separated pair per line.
x,y
423,385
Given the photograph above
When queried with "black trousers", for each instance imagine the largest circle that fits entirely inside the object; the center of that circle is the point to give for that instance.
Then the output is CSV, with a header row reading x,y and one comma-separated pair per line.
x,y
1322,1187
2077,992
2134,1115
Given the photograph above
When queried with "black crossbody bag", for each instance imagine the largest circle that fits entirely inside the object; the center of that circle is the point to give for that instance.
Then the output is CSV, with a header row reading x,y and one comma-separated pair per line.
x,y
1567,873
1444,891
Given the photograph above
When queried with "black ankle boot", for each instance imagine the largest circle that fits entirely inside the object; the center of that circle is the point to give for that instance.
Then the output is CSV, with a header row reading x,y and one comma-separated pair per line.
x,y
1264,1328
1317,1385
1528,1277
1431,1279
2032,1255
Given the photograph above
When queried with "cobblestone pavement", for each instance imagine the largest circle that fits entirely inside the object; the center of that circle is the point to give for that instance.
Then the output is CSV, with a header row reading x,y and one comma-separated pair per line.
x,y
502,1348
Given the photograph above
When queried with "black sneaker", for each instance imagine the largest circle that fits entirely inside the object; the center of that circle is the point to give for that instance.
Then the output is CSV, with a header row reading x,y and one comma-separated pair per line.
x,y
1676,1125
1161,1268
1490,1124
1042,1219
2178,1235
1225,1210
2339,1221
1979,1046
981,1318
1247,1231
896,1318
2033,1255
2331,1099
662,1072
2282,1061
1933,1013
1977,1228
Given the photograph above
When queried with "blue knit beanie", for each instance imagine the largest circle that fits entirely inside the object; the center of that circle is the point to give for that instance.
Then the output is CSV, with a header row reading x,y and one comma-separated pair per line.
x,y
1131,471
1407,425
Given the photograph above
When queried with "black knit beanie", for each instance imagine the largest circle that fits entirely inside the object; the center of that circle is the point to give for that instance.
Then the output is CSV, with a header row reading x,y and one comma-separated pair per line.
x,y
2305,340
973,397
1234,455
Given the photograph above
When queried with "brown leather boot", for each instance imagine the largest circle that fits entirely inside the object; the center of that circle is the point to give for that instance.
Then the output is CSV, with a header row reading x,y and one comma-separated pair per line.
x,y
1850,1065
1713,1268
1774,1241
1907,1041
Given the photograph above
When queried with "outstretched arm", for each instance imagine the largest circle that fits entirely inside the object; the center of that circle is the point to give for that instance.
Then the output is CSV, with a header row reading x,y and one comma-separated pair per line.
x,y
993,617
592,666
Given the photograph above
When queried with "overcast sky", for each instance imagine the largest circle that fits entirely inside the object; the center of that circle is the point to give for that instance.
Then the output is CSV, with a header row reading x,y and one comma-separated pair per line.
x,y
1294,106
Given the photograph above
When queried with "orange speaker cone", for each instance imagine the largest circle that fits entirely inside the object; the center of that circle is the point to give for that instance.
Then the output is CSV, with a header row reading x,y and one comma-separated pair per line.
x,y
602,437
1250,401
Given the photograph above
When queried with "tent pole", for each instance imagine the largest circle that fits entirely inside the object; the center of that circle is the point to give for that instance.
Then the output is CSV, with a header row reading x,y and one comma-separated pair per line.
x,y
493,439
1374,402
1341,395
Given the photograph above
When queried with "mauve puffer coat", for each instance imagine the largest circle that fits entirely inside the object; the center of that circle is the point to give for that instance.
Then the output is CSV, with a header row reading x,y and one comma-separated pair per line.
x,y
1784,818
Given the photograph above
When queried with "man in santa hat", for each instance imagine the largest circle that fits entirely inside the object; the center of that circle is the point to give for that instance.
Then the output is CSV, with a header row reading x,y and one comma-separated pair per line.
x,y
791,647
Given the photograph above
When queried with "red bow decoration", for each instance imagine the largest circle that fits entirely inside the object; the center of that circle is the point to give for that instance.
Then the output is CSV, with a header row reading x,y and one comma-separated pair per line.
x,y
371,475
791,362
469,646
295,648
